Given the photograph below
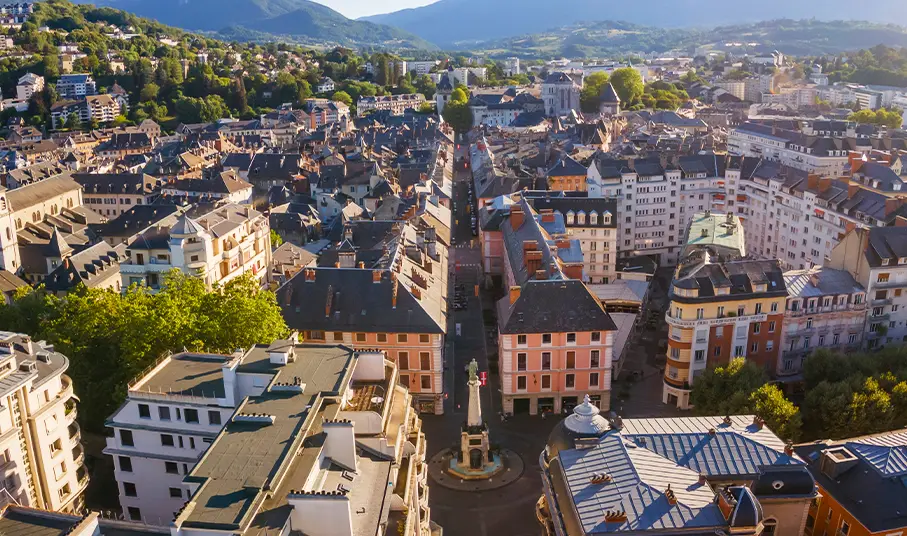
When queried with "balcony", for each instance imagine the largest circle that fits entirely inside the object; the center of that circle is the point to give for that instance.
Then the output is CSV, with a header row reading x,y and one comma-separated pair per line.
x,y
75,434
888,284
880,303
71,411
78,455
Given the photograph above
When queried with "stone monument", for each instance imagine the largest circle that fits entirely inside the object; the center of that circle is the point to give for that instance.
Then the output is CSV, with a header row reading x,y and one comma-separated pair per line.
x,y
475,459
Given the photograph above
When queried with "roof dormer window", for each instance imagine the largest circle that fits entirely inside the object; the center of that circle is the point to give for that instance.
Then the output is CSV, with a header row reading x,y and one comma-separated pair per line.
x,y
885,262
593,218
571,217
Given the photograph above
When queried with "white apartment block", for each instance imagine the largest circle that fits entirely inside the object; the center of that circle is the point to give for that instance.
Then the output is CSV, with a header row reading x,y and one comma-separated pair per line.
x,y
826,309
302,438
421,67
877,260
28,85
40,442
655,204
512,66
170,417
216,245
821,147
396,104
76,86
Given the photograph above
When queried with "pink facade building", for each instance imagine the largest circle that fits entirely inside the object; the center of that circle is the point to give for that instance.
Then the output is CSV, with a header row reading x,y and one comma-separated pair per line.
x,y
554,337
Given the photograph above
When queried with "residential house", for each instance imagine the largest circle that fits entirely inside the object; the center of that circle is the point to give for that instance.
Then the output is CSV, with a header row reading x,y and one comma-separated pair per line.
x,y
112,194
76,86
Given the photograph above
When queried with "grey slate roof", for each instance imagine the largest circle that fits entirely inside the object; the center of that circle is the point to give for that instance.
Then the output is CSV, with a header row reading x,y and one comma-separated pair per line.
x,y
886,243
553,306
831,282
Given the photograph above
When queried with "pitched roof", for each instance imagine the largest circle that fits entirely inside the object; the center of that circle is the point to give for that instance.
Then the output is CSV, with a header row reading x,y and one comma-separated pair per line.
x,y
553,306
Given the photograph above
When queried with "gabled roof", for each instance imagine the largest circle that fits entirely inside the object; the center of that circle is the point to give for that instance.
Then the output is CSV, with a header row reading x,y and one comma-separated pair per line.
x,y
566,167
609,95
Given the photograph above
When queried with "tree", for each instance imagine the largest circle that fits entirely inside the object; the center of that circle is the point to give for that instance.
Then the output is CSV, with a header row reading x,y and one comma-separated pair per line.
x,y
459,94
628,84
342,96
691,77
727,390
149,92
276,239
779,413
459,115
826,410
110,337
590,97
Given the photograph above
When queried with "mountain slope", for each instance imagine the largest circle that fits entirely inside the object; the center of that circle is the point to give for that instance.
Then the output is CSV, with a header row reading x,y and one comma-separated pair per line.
x,y
303,19
451,22
608,38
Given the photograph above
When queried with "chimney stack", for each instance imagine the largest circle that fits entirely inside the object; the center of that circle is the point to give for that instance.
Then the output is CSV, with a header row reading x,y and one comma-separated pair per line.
x,y
514,294
516,217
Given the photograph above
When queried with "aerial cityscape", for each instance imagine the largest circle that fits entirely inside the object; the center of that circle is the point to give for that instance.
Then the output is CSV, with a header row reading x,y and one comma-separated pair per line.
x,y
453,268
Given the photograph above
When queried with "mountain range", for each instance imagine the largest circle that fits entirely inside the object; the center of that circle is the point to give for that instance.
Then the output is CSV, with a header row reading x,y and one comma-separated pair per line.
x,y
298,20
461,23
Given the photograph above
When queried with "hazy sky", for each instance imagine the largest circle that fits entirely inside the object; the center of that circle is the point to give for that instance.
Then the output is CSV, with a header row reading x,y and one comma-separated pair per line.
x,y
360,8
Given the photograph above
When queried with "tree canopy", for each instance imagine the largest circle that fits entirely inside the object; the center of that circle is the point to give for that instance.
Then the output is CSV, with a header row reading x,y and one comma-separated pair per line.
x,y
111,337
592,87
628,84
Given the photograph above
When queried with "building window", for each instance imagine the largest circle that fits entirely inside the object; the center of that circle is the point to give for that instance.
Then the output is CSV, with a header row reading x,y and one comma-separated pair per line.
x,y
571,360
214,417
758,308
360,337
700,355
593,379
700,313
402,337
404,380
774,307
126,438
144,411
163,412
171,468
521,383
125,464
424,338
771,326
338,336
167,440
403,360
426,382
741,310
569,381
521,362
754,347
382,337
176,493
571,338
425,360
717,351
191,416
757,327
546,338
596,336
546,381
129,489
134,514
521,340
546,360
594,358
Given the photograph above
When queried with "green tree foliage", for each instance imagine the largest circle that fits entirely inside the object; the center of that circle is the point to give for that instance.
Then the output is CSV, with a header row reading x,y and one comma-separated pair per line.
x,y
726,390
111,337
149,92
628,84
276,239
342,96
459,94
740,388
881,117
589,98
459,115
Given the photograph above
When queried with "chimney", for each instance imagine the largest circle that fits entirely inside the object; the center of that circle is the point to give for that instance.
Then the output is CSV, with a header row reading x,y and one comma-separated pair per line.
x,y
563,243
852,188
824,183
892,205
514,294
705,233
541,275
669,495
758,422
533,260
788,449
702,479
310,275
360,265
376,276
814,279
516,217
812,181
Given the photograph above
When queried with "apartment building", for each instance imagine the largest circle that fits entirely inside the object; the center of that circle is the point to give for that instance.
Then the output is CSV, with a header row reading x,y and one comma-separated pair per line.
x,y
396,104
825,308
76,86
567,175
720,234
171,415
217,244
384,285
111,194
699,475
877,260
28,85
592,221
720,311
820,147
861,492
555,339
40,445
301,435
